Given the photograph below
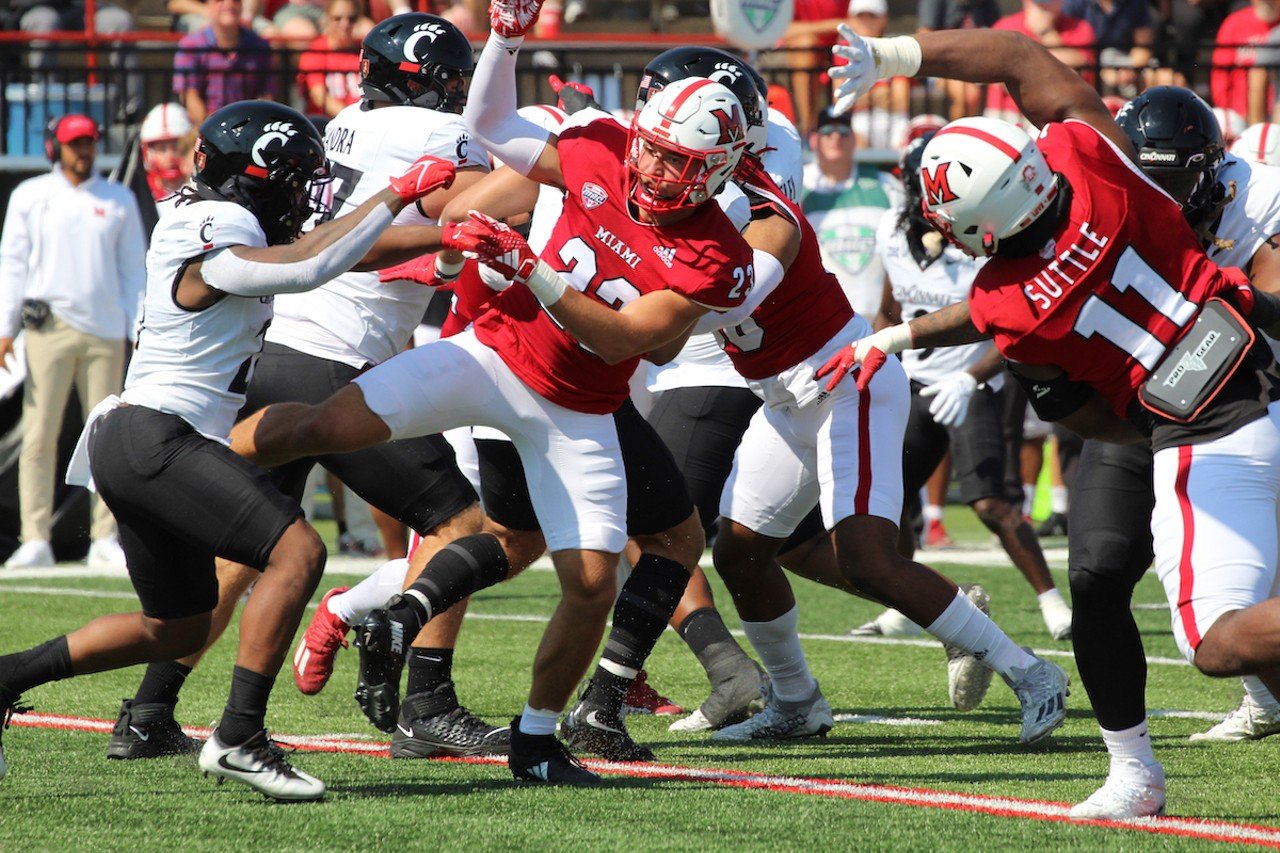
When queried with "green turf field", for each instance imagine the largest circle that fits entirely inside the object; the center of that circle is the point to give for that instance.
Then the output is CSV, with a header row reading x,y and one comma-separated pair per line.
x,y
62,793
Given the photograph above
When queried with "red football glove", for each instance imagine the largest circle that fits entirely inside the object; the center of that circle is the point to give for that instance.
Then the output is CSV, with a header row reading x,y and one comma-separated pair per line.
x,y
846,360
427,174
513,18
421,270
572,96
494,244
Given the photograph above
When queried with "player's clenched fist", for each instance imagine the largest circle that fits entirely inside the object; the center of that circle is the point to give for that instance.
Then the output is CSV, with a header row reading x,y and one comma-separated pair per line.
x,y
513,18
424,176
498,247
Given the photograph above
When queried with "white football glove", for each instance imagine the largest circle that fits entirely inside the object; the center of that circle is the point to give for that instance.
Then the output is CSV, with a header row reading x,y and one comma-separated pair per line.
x,y
951,398
870,60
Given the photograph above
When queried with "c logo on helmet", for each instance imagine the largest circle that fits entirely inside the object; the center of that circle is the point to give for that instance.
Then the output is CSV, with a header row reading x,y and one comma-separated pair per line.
x,y
937,187
730,125
421,31
273,134
726,73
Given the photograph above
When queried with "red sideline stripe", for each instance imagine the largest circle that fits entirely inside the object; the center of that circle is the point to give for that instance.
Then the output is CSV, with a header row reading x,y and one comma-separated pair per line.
x,y
1186,571
862,498
994,141
1009,807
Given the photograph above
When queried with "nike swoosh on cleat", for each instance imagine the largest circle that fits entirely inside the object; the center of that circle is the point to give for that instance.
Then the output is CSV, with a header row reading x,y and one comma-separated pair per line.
x,y
141,735
406,732
227,765
593,720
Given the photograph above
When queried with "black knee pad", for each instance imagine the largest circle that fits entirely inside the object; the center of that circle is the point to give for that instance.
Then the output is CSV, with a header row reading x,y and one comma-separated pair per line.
x,y
648,599
461,568
1108,563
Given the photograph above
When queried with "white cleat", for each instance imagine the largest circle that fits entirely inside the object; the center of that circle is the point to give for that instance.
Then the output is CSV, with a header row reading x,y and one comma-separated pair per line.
x,y
105,553
695,722
1137,791
890,623
260,764
1057,618
968,678
782,720
1042,690
1250,721
35,554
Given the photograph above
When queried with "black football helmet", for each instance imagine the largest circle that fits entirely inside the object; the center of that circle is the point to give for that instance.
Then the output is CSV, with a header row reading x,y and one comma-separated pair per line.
x,y
721,66
417,60
1179,145
267,158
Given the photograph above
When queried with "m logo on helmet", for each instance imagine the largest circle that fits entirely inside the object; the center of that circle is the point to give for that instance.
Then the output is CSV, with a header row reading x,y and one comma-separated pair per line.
x,y
273,134
937,187
730,125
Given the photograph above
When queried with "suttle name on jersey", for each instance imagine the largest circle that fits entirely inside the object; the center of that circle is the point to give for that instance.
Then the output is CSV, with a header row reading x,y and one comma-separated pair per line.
x,y
1042,289
616,245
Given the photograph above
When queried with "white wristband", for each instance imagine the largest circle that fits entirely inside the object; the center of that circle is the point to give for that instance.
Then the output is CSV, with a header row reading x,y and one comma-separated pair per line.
x,y
508,43
546,284
446,271
896,338
895,57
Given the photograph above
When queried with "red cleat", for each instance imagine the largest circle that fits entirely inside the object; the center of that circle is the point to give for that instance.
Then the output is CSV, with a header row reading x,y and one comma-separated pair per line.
x,y
313,660
643,699
936,536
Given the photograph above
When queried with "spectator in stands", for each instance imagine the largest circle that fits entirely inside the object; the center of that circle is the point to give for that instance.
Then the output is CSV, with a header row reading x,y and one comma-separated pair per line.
x,y
880,119
222,63
1234,83
1069,39
1123,38
964,98
72,274
807,43
470,16
45,16
329,72
1183,24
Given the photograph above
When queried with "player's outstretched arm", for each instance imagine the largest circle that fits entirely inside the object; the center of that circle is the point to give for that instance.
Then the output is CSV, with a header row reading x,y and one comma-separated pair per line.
x,y
1044,88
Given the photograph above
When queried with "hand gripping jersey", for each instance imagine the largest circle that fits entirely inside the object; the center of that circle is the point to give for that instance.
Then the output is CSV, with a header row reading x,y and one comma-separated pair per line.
x,y
602,251
354,319
195,364
1120,281
806,309
923,290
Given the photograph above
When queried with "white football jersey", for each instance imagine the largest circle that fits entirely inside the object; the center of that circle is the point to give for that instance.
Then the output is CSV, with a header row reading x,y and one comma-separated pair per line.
x,y
702,362
1252,217
355,319
918,291
195,364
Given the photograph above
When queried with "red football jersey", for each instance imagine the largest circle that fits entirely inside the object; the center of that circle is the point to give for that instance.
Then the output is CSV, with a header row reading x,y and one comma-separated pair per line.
x,y
604,252
471,296
1121,280
804,311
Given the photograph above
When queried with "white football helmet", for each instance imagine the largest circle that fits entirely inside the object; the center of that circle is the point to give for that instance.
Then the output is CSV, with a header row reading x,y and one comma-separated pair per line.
x,y
163,122
1231,123
1260,143
696,124
983,181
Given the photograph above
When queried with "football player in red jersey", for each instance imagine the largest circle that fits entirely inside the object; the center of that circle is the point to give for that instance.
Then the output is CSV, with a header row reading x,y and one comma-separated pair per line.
x,y
521,372
1102,298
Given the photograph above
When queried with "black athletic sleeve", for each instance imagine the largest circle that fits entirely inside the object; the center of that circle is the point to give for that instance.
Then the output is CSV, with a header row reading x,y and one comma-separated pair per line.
x,y
1052,399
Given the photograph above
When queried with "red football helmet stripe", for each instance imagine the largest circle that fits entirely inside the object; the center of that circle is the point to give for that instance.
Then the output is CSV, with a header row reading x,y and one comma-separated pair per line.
x,y
1262,142
679,102
992,140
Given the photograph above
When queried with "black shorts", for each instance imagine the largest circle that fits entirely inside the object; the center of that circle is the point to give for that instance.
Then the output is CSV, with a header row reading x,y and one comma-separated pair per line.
x,y
977,447
414,480
1111,507
657,497
703,426
180,500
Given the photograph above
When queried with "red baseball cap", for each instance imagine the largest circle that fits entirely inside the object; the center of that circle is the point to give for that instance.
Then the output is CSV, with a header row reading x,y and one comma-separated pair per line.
x,y
75,126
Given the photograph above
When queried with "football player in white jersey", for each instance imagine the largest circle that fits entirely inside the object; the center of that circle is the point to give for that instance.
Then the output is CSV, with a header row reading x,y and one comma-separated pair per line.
x,y
414,73
158,453
955,391
1235,205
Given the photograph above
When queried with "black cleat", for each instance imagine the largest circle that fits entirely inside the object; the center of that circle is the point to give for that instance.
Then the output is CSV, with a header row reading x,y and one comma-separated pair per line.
x,y
149,731
545,759
1055,525
382,646
433,724
592,727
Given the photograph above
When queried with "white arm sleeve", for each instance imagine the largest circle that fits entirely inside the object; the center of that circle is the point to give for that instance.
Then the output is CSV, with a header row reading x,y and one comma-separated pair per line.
x,y
769,273
491,114
225,271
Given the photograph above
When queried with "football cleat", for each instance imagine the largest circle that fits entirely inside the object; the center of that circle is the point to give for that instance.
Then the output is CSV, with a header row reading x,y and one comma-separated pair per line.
x,y
641,698
1055,525
1250,721
313,659
968,678
148,730
383,647
1057,618
936,536
262,765
731,701
592,727
1136,792
433,724
781,720
1042,690
890,623
545,759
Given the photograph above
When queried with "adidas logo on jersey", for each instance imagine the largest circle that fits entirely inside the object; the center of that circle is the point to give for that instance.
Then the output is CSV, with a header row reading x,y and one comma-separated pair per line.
x,y
593,195
666,254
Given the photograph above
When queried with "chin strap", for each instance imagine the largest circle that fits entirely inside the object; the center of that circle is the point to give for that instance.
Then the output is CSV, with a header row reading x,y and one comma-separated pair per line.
x,y
1221,198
